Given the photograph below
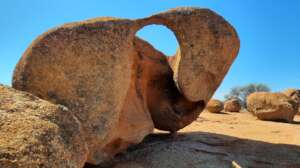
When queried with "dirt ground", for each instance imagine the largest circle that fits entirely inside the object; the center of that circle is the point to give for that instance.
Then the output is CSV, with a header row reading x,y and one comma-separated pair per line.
x,y
225,140
245,125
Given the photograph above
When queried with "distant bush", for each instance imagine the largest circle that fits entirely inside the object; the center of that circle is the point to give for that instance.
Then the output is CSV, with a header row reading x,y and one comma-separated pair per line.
x,y
241,92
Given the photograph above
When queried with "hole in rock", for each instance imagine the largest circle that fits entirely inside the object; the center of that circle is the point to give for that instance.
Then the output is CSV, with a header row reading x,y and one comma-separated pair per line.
x,y
160,37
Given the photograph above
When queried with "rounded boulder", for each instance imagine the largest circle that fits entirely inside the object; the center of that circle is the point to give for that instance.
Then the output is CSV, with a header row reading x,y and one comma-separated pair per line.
x,y
232,105
214,106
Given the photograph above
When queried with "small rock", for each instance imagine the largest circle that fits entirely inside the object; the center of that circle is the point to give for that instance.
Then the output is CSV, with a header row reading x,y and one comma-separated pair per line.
x,y
232,105
214,106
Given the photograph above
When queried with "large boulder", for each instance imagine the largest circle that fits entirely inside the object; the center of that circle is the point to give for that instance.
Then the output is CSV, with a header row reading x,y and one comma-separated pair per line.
x,y
214,106
294,94
232,105
36,133
271,106
89,67
104,74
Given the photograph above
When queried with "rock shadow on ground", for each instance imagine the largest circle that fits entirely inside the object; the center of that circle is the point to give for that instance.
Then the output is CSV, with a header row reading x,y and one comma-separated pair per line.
x,y
205,150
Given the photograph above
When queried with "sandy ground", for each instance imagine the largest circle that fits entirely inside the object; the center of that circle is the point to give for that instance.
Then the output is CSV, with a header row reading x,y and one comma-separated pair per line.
x,y
246,126
225,140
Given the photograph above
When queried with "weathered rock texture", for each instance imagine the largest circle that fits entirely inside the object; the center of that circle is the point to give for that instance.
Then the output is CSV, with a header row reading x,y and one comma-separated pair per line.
x,y
232,105
36,133
294,94
214,106
272,106
113,81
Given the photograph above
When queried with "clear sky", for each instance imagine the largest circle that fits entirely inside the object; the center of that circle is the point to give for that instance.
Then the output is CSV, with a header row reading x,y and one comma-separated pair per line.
x,y
269,31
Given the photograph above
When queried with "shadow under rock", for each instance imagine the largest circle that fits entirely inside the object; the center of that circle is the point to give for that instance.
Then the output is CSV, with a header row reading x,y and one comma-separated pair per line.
x,y
205,150
296,122
226,113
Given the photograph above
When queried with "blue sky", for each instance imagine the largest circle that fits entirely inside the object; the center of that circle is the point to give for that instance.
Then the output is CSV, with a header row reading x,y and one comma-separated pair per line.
x,y
269,31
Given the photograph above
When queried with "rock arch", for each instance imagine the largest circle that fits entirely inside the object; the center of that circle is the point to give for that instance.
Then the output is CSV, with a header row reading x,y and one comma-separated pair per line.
x,y
94,68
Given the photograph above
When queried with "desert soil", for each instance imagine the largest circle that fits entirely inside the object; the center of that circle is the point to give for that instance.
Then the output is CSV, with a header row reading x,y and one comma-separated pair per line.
x,y
244,125
222,140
